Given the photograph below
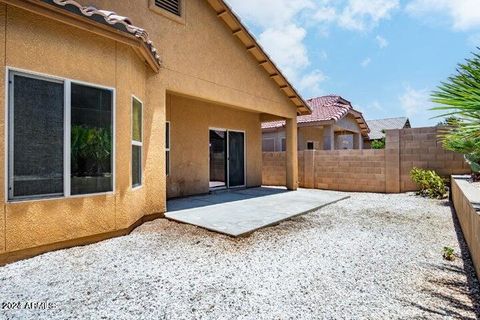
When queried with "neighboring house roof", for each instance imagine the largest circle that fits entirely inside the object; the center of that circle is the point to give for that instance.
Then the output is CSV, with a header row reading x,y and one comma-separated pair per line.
x,y
378,126
234,23
104,22
326,108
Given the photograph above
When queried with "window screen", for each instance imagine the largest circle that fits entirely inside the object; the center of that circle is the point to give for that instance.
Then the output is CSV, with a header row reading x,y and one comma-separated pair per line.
x,y
36,137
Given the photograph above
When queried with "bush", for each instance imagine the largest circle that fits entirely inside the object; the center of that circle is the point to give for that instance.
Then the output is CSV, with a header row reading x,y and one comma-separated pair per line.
x,y
448,253
378,144
431,185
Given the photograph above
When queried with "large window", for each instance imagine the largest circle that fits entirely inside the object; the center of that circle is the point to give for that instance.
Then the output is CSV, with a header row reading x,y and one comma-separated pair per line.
x,y
60,140
137,142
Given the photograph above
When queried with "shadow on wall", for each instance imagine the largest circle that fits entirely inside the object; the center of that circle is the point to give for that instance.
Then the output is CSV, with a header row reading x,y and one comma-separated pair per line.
x,y
447,290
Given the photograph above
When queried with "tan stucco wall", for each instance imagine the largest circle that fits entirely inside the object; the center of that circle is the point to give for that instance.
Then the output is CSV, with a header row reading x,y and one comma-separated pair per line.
x,y
314,134
96,60
201,58
190,123
305,134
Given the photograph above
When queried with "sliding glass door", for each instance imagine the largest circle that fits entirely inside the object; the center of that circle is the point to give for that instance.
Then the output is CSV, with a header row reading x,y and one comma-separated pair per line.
x,y
227,159
218,153
236,159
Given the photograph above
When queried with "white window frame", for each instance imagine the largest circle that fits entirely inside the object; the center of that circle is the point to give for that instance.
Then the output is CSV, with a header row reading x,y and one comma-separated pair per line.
x,y
9,113
167,148
138,144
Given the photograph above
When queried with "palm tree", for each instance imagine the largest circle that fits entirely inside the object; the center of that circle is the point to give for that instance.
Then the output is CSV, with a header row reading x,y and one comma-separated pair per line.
x,y
459,97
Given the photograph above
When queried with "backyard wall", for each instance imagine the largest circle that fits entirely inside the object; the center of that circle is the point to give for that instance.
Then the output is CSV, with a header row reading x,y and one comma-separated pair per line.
x,y
369,170
465,199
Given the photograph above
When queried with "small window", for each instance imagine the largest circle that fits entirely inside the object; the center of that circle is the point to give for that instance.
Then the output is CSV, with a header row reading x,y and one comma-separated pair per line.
x,y
310,145
167,148
137,142
284,144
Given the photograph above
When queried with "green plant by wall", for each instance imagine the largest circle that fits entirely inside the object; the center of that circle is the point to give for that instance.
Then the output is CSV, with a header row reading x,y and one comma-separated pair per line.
x,y
431,185
91,149
448,253
378,144
459,99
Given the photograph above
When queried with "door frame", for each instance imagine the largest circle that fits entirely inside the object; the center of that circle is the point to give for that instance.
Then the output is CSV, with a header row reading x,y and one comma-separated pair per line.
x,y
227,159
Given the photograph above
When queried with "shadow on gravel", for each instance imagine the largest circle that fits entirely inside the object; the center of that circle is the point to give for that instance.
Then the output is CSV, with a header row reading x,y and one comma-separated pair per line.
x,y
449,291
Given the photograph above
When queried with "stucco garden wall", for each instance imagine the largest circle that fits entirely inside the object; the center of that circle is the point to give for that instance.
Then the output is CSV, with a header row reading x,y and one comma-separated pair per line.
x,y
385,170
465,199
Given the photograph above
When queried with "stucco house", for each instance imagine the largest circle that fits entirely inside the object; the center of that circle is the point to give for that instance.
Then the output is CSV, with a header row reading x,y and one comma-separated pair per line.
x,y
378,127
333,124
106,117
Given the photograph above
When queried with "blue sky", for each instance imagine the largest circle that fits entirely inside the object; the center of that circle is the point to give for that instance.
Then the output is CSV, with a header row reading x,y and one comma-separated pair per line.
x,y
385,56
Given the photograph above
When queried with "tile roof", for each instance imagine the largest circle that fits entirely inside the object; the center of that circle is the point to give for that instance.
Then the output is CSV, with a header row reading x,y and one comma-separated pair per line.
x,y
377,126
109,18
326,108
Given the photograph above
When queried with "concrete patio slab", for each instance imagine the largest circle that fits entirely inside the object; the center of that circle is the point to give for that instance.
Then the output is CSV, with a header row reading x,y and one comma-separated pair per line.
x,y
240,212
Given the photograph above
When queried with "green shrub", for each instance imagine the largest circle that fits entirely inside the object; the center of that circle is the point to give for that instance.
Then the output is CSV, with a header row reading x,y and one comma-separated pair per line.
x,y
448,253
378,144
431,185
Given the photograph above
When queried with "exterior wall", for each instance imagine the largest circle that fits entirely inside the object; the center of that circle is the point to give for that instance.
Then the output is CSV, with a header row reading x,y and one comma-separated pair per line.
x,y
41,222
350,170
347,123
190,121
306,134
420,147
277,135
198,58
320,135
465,199
370,170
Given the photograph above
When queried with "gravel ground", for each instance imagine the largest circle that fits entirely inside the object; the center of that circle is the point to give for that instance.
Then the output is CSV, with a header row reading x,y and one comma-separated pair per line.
x,y
372,256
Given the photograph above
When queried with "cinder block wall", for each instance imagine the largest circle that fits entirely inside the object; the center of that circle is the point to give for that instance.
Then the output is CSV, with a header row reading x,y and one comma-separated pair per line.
x,y
421,148
350,170
369,170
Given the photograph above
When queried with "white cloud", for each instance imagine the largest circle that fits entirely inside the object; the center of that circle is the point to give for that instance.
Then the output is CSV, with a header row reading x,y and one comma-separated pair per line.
x,y
381,41
416,104
364,15
464,14
366,62
270,13
282,33
285,46
310,83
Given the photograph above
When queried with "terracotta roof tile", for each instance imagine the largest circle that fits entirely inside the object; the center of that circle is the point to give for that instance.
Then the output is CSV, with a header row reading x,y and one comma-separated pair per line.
x,y
110,18
324,108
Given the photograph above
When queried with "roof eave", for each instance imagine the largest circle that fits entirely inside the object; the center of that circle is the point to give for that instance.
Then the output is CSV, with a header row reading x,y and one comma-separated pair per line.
x,y
72,19
225,13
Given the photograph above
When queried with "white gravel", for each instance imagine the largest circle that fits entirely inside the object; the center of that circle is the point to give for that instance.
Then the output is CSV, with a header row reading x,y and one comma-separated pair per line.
x,y
372,256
